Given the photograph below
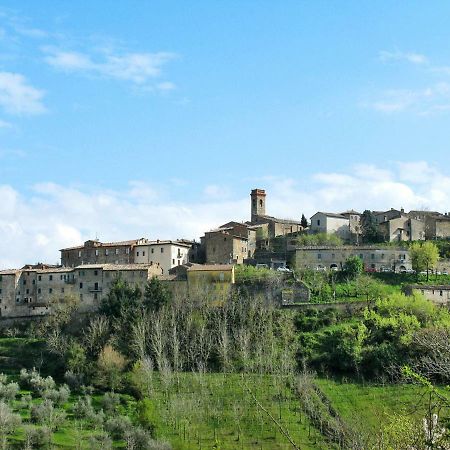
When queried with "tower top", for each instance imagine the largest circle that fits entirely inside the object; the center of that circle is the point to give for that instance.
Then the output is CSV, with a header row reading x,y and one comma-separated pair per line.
x,y
258,204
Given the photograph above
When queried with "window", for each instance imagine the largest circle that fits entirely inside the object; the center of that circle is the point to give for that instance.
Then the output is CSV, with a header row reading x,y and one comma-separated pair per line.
x,y
50,290
319,256
95,272
173,262
24,282
372,255
62,290
50,278
361,256
96,252
127,251
79,254
106,252
60,277
81,297
17,300
81,285
162,249
39,278
28,291
143,253
34,282
440,293
39,290
117,251
153,250
137,253
95,296
318,222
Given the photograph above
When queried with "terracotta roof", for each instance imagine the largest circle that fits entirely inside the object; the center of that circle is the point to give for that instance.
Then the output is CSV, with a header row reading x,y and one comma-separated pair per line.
x,y
207,267
9,271
337,216
104,244
179,243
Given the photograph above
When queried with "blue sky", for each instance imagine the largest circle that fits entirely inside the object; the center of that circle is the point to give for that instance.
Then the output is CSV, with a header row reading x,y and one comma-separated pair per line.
x,y
136,118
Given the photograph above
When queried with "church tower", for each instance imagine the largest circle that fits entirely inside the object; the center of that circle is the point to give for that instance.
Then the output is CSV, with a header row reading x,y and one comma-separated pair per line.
x,y
258,198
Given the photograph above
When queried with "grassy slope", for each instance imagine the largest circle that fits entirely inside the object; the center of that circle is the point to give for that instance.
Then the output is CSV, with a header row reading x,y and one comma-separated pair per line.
x,y
200,411
370,405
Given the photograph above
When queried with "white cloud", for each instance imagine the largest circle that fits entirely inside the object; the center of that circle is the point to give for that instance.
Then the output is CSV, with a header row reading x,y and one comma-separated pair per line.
x,y
411,57
429,100
36,226
18,97
137,68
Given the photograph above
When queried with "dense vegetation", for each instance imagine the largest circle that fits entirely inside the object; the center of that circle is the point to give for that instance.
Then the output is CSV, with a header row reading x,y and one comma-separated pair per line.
x,y
150,370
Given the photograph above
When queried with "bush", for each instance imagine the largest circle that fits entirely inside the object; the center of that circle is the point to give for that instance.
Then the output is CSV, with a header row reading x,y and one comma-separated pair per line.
x,y
100,441
74,380
138,439
45,414
57,396
8,391
118,426
83,408
38,437
110,402
144,411
32,380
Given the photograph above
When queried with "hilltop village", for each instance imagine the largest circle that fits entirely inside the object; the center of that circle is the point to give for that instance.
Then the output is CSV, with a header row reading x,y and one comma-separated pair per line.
x,y
323,243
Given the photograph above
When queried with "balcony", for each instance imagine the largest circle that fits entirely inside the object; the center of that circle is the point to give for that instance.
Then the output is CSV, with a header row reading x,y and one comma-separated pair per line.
x,y
95,289
70,281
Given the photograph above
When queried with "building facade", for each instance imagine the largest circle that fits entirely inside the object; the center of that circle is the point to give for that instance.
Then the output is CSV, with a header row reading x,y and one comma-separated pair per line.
x,y
96,252
28,292
166,254
333,258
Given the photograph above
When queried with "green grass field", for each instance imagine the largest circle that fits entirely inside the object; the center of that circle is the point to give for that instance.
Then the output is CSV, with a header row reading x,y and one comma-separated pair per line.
x,y
369,405
218,411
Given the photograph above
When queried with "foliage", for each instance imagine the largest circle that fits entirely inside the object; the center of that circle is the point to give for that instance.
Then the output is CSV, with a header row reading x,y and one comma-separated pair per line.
x,y
304,222
8,423
424,256
353,266
156,295
329,239
369,228
110,365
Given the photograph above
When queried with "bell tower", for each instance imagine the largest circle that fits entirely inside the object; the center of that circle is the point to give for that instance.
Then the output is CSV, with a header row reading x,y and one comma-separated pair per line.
x,y
258,204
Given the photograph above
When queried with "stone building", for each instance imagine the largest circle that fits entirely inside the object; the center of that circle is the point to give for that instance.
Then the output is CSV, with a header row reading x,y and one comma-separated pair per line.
x,y
270,226
333,258
167,254
329,223
438,294
96,252
222,246
27,292
402,228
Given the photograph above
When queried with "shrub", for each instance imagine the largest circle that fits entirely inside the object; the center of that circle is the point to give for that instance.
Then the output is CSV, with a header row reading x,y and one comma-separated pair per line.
x,y
83,408
100,441
8,423
138,439
110,366
144,411
118,426
110,402
38,437
74,380
8,391
57,396
45,414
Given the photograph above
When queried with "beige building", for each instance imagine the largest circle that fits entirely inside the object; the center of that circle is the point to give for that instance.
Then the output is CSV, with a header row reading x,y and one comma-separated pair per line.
x,y
333,258
30,291
96,252
166,254
402,228
329,223
222,246
438,294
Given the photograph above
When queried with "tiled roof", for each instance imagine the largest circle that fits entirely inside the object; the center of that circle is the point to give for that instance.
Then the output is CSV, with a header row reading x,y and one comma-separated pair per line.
x,y
207,267
337,216
105,244
435,287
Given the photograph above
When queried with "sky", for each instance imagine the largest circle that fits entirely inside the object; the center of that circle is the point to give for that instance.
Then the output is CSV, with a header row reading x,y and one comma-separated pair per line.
x,y
129,119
